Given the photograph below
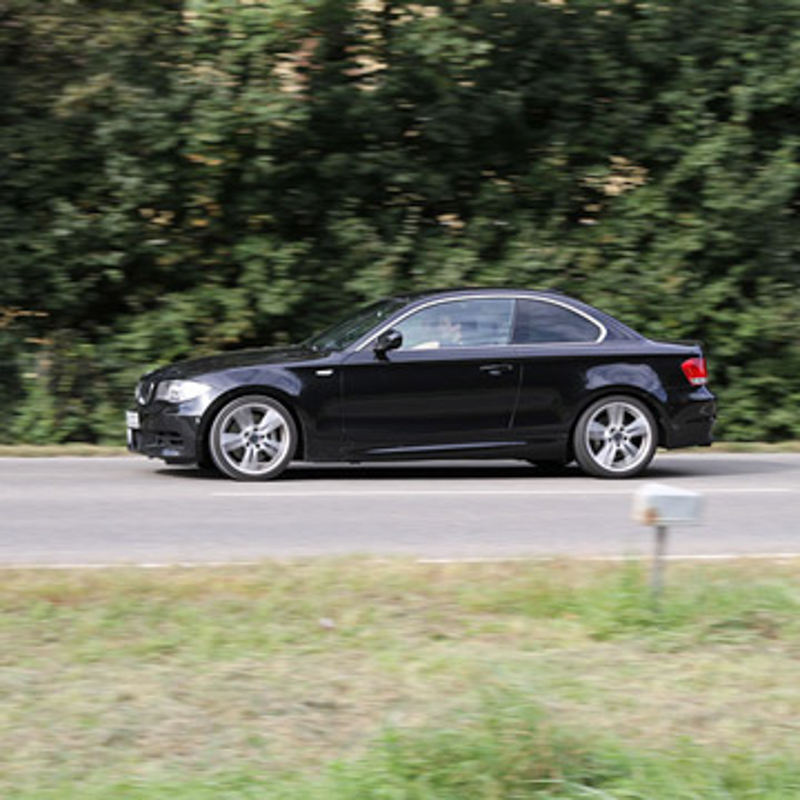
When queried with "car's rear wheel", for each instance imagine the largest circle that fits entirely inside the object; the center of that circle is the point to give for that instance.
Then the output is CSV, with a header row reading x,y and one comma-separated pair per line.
x,y
253,438
616,437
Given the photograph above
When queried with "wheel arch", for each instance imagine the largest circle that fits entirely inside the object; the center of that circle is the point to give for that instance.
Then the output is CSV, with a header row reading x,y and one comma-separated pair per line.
x,y
220,402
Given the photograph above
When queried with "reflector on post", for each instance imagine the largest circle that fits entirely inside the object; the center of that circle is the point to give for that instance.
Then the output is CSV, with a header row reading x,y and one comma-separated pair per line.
x,y
659,504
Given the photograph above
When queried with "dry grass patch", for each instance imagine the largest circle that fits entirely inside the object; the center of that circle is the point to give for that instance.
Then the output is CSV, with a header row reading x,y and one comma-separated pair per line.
x,y
283,668
58,450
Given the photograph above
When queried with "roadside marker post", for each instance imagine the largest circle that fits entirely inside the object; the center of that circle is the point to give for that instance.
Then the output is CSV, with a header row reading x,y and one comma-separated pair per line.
x,y
660,506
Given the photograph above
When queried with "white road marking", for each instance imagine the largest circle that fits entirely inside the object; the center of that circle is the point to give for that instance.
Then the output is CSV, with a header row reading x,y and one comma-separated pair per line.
x,y
701,557
620,559
303,493
138,565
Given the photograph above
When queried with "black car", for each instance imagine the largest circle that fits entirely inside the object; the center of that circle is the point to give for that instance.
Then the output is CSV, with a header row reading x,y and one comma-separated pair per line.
x,y
478,373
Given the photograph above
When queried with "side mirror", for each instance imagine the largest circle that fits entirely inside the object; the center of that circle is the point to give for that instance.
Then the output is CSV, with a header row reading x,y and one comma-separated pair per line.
x,y
388,340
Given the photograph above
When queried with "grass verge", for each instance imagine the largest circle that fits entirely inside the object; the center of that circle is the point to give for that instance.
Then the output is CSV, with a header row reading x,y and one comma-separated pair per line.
x,y
60,450
339,679
791,446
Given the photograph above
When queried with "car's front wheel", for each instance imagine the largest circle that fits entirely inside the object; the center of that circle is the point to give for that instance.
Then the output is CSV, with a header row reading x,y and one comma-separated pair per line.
x,y
616,437
253,438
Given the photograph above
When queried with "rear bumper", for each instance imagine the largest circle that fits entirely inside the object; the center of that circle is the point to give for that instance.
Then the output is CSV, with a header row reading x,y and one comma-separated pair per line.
x,y
164,433
691,424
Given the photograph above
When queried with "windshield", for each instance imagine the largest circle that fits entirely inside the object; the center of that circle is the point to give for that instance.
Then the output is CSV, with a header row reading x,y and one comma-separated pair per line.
x,y
351,329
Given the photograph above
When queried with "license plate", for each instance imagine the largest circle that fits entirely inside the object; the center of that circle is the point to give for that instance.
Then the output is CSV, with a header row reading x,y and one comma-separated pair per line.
x,y
132,418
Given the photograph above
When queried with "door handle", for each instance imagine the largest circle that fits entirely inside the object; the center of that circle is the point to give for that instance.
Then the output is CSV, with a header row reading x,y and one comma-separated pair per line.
x,y
497,369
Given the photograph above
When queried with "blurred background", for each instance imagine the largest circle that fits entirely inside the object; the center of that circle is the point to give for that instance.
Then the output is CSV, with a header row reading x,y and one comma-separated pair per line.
x,y
184,176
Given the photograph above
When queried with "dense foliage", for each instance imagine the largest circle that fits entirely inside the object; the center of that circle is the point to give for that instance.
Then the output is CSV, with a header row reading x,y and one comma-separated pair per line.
x,y
182,176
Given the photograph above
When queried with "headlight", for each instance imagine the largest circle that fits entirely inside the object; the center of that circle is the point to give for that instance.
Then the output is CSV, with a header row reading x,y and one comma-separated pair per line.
x,y
180,391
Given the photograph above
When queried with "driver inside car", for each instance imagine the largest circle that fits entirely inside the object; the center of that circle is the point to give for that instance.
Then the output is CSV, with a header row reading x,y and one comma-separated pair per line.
x,y
444,331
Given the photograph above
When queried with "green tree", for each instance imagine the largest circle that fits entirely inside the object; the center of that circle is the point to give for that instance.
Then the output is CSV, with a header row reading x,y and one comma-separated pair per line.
x,y
185,176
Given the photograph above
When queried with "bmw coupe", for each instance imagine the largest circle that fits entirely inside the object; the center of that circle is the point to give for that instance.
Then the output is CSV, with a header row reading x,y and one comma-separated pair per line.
x,y
480,373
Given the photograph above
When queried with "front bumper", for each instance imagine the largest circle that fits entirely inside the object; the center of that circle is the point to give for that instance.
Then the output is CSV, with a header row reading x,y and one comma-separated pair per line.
x,y
161,430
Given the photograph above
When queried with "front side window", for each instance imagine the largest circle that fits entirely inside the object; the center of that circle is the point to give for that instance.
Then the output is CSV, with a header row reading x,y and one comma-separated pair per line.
x,y
540,322
458,323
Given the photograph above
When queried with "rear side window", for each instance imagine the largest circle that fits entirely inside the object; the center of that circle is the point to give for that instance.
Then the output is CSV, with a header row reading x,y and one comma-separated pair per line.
x,y
538,322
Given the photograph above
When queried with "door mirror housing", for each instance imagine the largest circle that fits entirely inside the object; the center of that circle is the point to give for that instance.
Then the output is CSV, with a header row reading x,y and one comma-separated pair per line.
x,y
388,340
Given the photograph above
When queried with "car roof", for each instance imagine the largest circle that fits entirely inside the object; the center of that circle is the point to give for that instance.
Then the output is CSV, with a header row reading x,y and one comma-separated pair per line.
x,y
613,325
466,291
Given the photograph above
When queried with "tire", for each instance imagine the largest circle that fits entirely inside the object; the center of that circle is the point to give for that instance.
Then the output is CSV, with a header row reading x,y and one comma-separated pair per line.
x,y
616,437
253,438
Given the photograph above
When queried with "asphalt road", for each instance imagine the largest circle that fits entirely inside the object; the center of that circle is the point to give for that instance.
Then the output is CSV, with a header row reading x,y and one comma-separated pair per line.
x,y
71,511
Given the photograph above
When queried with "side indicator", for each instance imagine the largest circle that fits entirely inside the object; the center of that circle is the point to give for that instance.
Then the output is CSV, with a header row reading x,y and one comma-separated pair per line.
x,y
324,373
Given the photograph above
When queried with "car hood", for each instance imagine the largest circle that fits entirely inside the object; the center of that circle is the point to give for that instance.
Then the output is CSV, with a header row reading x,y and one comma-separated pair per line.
x,y
236,358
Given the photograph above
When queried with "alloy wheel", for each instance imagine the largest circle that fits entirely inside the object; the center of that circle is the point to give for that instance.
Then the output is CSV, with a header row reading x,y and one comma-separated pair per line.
x,y
253,438
616,437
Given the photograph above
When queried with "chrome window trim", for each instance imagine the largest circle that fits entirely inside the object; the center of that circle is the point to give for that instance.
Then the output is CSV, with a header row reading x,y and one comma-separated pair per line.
x,y
603,331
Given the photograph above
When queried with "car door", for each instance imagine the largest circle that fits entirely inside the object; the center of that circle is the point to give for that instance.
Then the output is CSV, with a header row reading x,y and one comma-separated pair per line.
x,y
451,387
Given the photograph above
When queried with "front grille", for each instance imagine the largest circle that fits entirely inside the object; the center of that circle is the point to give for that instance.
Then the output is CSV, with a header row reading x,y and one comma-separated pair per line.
x,y
144,391
167,439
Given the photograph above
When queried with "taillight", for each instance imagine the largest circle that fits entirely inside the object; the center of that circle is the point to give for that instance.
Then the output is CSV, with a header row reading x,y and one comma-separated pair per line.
x,y
695,371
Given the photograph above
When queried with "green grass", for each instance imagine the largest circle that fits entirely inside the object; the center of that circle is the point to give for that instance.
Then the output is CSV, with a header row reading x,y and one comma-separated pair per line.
x,y
355,678
60,450
789,446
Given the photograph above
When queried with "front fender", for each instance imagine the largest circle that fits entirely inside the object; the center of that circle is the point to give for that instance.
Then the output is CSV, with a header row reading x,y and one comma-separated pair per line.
x,y
312,400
